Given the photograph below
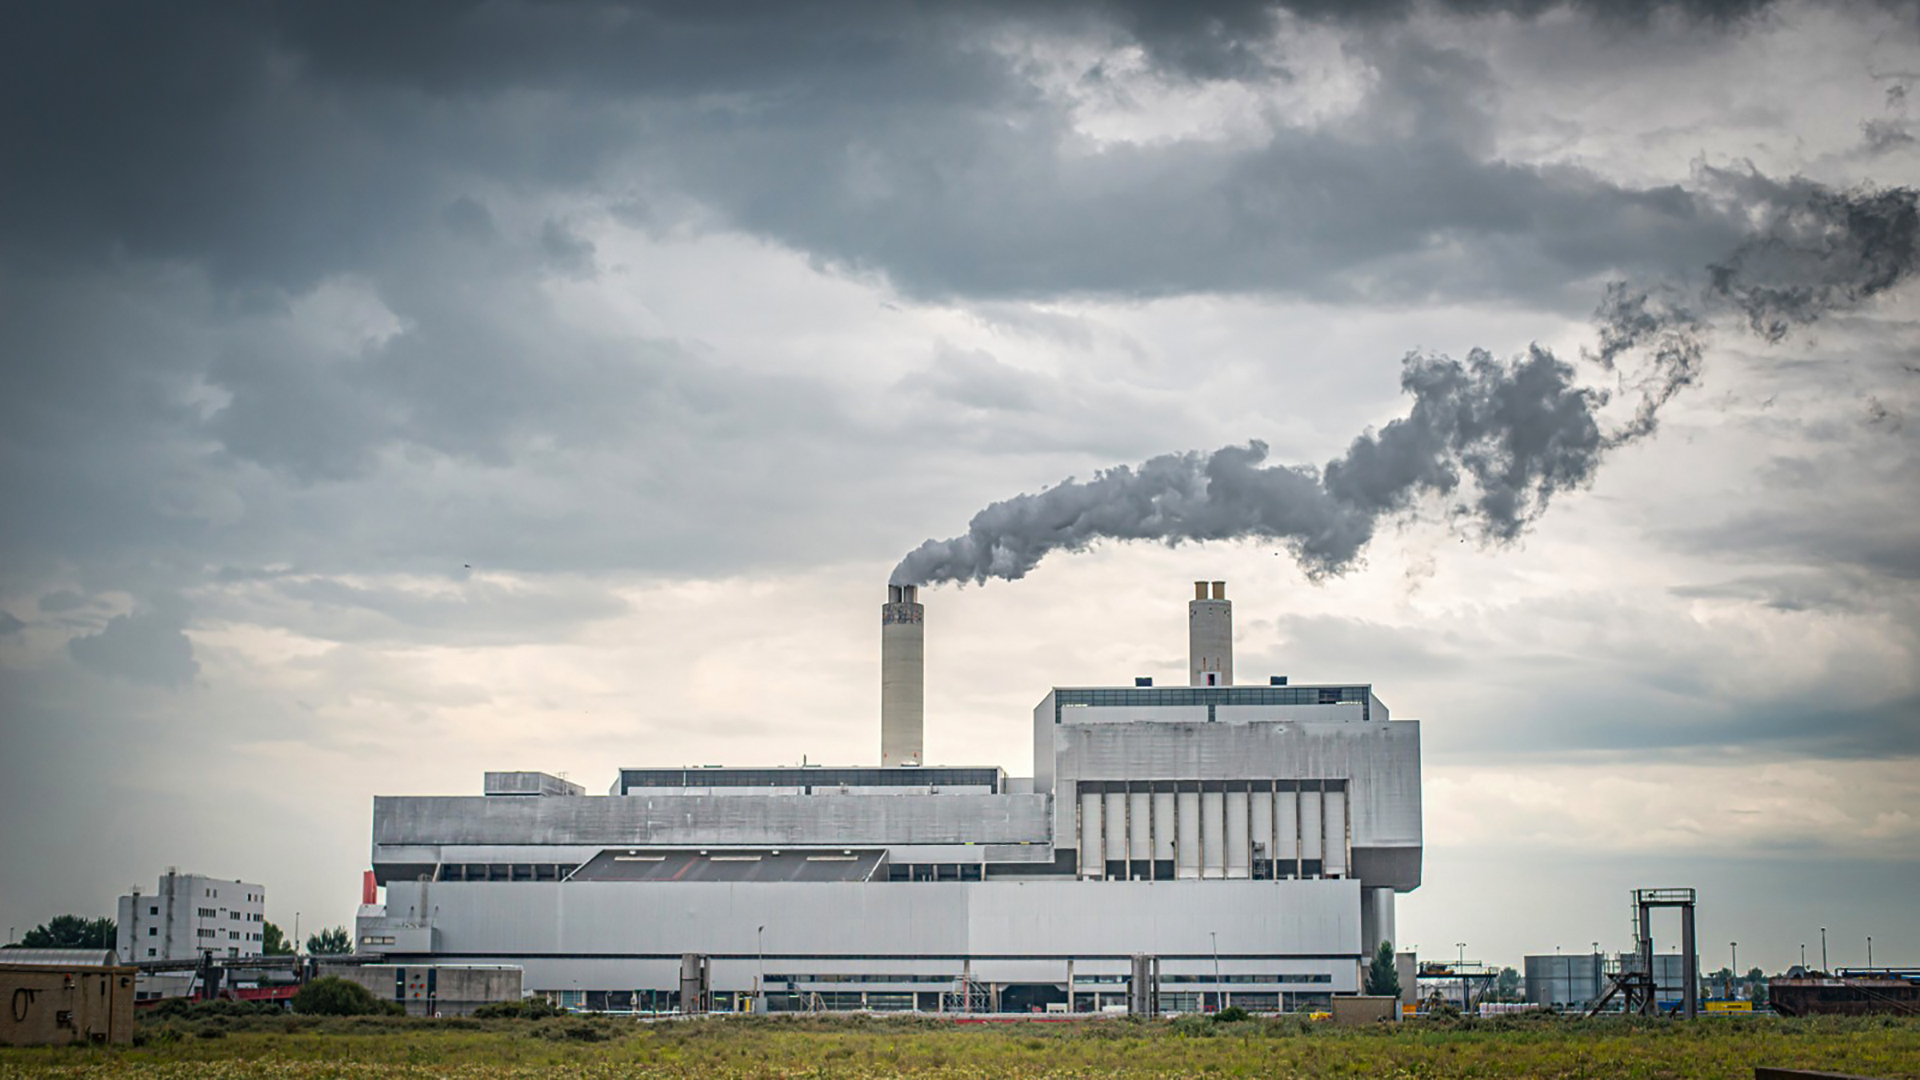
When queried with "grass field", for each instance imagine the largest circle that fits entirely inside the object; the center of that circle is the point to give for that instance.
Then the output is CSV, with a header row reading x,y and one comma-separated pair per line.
x,y
864,1046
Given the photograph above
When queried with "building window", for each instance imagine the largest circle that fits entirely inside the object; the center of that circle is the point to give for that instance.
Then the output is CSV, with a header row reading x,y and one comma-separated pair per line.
x,y
149,952
153,931
153,910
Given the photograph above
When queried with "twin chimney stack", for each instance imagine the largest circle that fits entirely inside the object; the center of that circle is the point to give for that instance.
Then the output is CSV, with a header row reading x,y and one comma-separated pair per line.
x,y
903,680
1210,635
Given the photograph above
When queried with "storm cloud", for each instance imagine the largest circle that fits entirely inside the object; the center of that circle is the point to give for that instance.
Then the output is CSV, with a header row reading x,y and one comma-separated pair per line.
x,y
392,392
1515,434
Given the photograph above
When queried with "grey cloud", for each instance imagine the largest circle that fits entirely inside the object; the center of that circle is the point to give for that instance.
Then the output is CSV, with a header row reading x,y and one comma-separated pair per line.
x,y
854,131
1815,249
1810,725
452,611
61,600
1807,590
10,623
1523,432
146,647
974,379
565,252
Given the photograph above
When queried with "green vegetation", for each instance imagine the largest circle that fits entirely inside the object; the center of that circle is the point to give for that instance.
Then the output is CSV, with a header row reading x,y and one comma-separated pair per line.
x,y
70,932
535,1008
273,941
198,1043
334,996
334,941
1382,977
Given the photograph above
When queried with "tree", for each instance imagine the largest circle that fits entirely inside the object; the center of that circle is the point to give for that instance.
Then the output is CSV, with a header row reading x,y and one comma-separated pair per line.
x,y
330,942
1506,987
273,941
334,996
71,932
1383,978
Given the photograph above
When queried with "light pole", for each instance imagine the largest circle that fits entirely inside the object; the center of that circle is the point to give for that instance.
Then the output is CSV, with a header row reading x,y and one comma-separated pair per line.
x,y
1803,954
761,985
1215,935
1869,950
1823,951
1462,968
1735,946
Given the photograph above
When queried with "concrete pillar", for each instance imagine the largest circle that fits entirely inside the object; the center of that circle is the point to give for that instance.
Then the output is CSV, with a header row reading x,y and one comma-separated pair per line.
x,y
902,677
1210,635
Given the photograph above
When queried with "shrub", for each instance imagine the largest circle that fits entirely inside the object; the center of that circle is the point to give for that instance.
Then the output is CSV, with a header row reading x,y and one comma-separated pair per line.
x,y
1232,1014
334,996
1192,1024
533,1008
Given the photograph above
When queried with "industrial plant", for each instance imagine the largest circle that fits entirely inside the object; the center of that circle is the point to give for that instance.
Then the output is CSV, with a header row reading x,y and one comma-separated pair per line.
x,y
1175,848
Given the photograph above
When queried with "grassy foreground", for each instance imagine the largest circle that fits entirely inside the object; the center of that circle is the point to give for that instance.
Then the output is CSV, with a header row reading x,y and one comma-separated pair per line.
x,y
864,1046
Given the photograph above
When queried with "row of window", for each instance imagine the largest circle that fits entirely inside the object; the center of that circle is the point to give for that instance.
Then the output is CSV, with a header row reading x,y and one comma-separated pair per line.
x,y
1213,697
780,982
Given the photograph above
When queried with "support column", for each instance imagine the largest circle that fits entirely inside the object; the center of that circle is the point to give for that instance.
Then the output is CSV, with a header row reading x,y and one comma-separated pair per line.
x,y
1689,962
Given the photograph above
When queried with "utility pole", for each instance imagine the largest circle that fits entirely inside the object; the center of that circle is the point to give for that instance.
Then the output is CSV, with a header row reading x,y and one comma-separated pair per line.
x,y
1218,997
761,984
1823,951
1735,946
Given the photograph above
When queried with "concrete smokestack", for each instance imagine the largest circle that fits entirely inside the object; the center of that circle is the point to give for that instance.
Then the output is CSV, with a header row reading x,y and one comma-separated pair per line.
x,y
1210,635
903,680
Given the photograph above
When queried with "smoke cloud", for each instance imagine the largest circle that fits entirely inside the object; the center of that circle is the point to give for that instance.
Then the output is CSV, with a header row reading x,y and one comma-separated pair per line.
x,y
1499,439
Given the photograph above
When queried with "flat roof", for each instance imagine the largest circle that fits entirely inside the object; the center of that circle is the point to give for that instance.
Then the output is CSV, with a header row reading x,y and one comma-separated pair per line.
x,y
730,864
991,777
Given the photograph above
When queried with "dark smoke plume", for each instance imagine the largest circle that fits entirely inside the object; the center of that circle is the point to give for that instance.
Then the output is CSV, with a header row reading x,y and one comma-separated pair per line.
x,y
1500,439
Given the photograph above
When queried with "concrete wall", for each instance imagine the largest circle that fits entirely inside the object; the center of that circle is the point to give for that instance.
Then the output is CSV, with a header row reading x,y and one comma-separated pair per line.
x,y
410,832
434,989
608,935
41,1006
1362,1011
1379,762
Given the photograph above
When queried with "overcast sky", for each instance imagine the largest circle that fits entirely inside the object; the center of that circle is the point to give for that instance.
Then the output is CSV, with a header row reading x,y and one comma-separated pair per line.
x,y
394,392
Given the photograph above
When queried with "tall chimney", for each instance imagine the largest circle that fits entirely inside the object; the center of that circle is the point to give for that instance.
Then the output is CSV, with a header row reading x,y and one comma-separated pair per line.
x,y
903,703
1210,635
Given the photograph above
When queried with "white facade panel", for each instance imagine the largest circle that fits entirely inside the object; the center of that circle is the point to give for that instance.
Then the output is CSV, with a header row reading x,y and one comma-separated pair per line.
x,y
1286,805
1260,824
1090,840
1239,850
562,932
1213,835
1139,825
1312,838
1335,844
1186,812
1114,822
1164,833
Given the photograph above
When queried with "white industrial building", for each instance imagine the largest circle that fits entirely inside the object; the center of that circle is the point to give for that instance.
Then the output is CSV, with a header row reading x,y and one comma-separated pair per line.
x,y
189,916
1250,839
